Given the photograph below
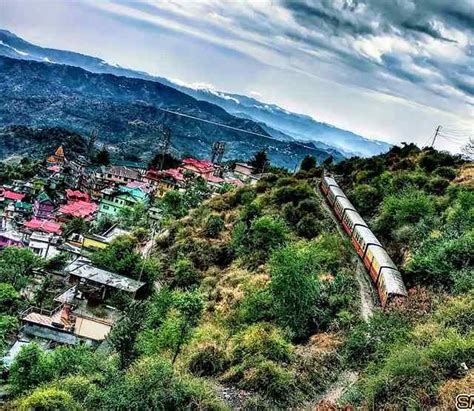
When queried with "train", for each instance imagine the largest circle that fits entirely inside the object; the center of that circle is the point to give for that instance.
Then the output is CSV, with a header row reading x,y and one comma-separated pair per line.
x,y
382,270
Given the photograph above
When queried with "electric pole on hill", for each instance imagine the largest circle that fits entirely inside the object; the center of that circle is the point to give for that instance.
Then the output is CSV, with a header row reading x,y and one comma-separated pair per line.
x,y
218,149
435,135
164,145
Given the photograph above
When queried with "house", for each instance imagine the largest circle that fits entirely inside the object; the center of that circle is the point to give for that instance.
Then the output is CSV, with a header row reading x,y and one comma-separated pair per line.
x,y
22,207
203,168
77,209
65,325
119,174
243,169
44,245
114,200
97,283
76,195
8,196
96,241
44,226
10,238
43,206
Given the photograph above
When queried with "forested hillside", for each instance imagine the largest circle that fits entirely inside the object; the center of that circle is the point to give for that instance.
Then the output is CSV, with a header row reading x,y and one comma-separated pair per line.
x,y
252,299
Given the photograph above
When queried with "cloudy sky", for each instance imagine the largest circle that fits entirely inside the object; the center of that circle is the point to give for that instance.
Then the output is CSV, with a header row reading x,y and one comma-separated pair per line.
x,y
387,69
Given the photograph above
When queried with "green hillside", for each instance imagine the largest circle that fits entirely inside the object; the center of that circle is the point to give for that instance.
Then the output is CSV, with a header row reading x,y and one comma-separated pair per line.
x,y
253,299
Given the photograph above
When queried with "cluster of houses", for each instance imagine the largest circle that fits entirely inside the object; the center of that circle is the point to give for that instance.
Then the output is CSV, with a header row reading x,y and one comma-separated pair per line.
x,y
35,214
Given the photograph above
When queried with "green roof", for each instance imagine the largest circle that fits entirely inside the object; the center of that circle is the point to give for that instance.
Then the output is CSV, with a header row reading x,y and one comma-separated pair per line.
x,y
23,205
43,197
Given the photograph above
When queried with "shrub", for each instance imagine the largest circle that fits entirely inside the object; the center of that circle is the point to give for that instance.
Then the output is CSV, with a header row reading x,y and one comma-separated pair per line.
x,y
185,275
48,399
293,193
264,340
214,226
207,359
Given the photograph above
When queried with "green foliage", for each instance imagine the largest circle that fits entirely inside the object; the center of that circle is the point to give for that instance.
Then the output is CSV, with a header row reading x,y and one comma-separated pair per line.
x,y
207,359
366,198
409,207
261,340
255,243
8,326
124,334
17,265
260,162
173,204
28,370
76,225
9,299
296,288
48,399
214,225
293,193
102,157
184,273
308,163
132,217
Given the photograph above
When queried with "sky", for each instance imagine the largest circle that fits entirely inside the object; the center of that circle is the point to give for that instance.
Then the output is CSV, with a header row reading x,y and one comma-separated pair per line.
x,y
387,69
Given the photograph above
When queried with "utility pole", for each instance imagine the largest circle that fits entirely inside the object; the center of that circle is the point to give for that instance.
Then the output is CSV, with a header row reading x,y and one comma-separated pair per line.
x,y
165,145
218,149
435,136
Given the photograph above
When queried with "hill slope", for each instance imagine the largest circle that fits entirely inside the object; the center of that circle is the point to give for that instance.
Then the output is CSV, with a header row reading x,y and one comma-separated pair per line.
x,y
49,95
280,123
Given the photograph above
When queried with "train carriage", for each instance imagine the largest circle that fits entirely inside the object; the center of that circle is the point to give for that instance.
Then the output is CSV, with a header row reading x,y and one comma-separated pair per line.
x,y
328,182
334,193
351,220
382,269
390,285
341,205
362,237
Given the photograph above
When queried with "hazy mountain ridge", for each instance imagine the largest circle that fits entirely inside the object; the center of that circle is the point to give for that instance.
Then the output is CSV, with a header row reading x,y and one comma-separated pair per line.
x,y
279,123
51,95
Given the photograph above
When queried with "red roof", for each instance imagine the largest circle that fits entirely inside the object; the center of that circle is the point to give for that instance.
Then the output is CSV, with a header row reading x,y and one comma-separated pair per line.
x,y
11,195
199,164
140,185
78,209
214,179
77,195
46,226
175,173
54,169
152,174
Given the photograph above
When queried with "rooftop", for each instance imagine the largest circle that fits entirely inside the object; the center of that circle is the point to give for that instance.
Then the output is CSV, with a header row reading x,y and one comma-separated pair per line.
x,y
43,225
123,172
78,209
82,268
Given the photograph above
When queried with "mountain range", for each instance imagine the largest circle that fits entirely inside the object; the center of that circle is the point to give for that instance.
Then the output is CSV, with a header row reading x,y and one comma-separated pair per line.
x,y
49,87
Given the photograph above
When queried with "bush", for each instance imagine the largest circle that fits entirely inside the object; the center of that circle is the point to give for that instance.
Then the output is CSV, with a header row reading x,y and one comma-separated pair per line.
x,y
214,226
185,275
207,359
263,340
293,194
48,399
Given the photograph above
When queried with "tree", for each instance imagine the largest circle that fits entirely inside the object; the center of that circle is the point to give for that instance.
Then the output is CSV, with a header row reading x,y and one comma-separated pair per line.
x,y
189,306
185,275
294,287
173,204
103,157
9,299
468,149
260,161
308,163
17,265
214,225
28,369
76,225
125,332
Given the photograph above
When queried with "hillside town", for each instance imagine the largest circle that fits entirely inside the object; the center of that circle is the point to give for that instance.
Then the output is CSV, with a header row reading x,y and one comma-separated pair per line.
x,y
47,213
